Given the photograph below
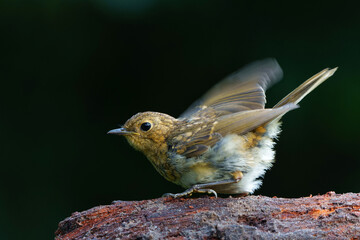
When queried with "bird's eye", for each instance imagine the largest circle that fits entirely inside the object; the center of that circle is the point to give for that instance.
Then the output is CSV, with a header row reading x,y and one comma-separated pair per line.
x,y
145,126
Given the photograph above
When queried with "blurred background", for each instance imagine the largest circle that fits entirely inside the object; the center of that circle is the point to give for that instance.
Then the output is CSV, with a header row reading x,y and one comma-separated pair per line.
x,y
72,70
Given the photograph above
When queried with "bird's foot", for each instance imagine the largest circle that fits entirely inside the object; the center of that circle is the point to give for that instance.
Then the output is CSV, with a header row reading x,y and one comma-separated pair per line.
x,y
206,187
188,192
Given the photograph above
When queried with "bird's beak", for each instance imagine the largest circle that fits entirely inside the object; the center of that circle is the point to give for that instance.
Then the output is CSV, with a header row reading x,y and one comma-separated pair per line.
x,y
120,131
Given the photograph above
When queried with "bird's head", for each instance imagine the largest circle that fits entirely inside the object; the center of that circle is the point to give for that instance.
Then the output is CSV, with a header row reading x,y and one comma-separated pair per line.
x,y
147,131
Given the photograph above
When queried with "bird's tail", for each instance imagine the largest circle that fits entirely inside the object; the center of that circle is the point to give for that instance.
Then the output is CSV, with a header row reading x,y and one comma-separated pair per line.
x,y
304,89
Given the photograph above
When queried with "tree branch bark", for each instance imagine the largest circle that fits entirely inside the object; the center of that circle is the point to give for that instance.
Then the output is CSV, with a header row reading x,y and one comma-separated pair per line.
x,y
328,216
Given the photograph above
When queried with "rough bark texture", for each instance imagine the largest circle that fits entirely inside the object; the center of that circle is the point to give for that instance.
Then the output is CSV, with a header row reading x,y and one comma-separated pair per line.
x,y
329,216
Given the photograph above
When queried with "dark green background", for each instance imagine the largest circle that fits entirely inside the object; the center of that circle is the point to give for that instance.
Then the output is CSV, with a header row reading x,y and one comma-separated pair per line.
x,y
72,70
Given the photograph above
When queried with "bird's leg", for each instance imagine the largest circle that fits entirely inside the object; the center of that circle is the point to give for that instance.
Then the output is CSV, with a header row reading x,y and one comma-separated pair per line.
x,y
206,187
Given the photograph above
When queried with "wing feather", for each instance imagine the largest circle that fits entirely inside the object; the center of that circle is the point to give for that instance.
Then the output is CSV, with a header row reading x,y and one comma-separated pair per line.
x,y
243,122
241,91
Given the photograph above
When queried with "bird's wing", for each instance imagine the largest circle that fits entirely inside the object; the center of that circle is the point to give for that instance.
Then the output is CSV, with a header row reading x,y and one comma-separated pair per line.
x,y
200,135
241,91
243,122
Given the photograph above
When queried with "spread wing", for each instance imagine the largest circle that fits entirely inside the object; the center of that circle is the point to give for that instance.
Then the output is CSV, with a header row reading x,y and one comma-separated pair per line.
x,y
233,106
241,91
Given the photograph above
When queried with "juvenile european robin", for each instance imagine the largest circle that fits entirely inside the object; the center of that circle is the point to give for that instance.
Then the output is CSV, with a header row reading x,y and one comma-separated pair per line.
x,y
224,142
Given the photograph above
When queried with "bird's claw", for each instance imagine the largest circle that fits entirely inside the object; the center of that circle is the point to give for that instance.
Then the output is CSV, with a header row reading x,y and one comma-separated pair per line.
x,y
209,191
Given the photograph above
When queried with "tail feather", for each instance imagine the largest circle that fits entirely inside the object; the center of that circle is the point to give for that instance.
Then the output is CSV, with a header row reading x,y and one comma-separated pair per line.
x,y
304,89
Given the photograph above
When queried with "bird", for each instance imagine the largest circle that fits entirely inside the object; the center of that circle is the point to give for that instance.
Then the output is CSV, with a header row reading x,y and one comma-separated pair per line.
x,y
224,142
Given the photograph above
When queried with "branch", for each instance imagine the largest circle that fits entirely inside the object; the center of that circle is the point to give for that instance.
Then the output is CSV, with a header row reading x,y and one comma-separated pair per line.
x,y
329,216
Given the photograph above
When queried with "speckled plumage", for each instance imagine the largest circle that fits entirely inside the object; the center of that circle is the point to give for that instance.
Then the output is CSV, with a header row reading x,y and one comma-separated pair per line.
x,y
224,142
